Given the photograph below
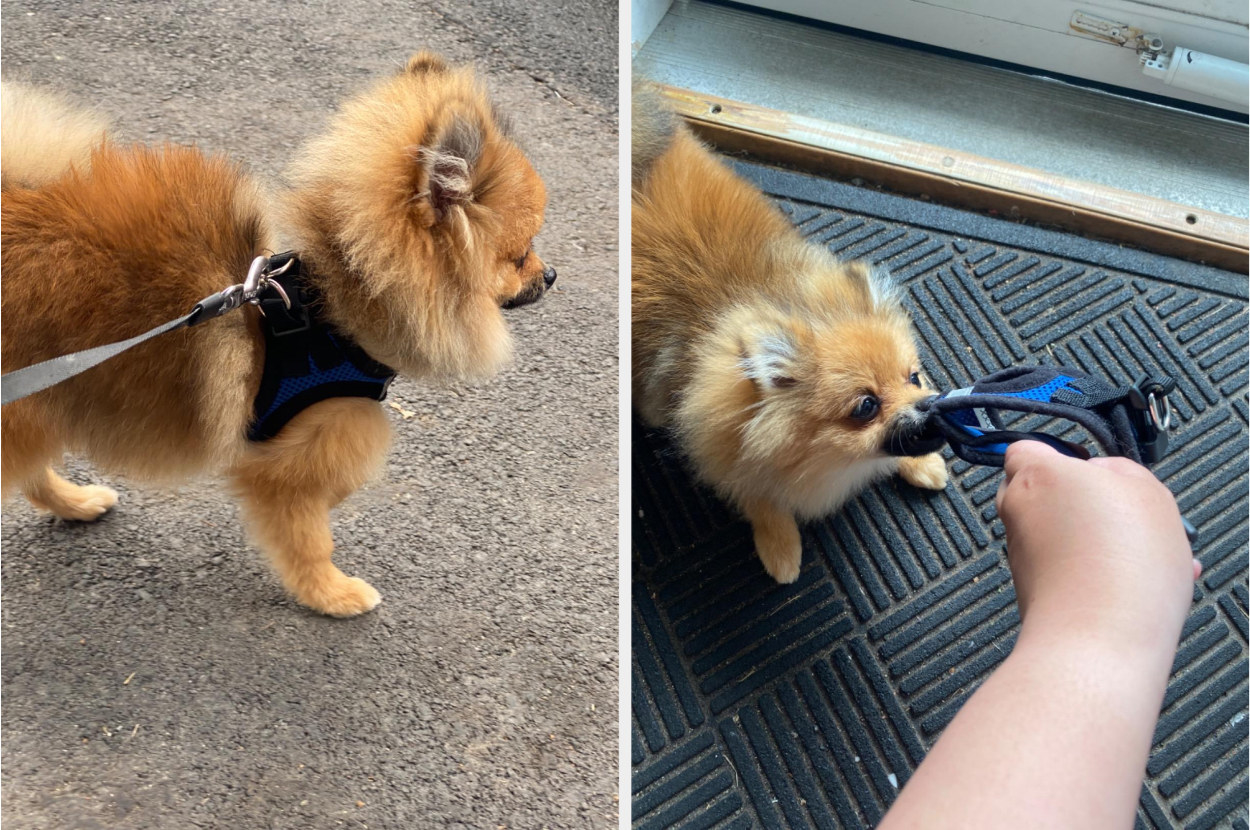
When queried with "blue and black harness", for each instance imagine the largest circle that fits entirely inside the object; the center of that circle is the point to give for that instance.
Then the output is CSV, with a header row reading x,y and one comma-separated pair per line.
x,y
306,360
1130,421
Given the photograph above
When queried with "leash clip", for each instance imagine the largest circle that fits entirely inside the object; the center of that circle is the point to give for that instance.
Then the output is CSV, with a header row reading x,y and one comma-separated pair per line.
x,y
230,299
256,280
1151,414
259,277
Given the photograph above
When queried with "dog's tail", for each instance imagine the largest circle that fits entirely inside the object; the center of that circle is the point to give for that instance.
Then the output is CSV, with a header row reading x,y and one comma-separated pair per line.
x,y
653,127
43,134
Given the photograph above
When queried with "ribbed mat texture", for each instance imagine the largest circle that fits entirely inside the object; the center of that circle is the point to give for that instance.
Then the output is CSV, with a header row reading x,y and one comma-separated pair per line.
x,y
809,705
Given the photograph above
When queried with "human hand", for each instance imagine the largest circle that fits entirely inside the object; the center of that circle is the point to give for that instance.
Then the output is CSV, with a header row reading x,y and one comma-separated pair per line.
x,y
1096,548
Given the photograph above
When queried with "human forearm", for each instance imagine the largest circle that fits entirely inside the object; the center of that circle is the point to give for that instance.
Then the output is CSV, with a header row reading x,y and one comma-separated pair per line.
x,y
1058,736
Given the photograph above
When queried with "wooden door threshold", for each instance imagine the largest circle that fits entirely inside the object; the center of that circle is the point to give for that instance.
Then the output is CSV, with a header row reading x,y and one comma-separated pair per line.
x,y
964,180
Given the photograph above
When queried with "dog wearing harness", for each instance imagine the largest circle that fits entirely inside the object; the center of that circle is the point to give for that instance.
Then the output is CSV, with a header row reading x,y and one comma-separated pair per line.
x,y
414,214
306,359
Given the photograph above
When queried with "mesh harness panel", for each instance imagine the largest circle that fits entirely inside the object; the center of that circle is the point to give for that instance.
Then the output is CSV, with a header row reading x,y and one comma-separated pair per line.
x,y
306,361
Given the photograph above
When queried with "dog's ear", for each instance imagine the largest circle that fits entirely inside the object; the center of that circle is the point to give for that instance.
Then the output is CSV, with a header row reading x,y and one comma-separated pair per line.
x,y
768,355
448,162
425,62
873,288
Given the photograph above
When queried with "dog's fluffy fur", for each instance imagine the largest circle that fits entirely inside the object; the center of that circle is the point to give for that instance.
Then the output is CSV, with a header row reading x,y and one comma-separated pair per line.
x,y
757,348
413,214
44,134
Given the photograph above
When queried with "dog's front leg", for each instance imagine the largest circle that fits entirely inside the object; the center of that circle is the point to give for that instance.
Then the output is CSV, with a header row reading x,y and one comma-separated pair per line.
x,y
777,540
288,485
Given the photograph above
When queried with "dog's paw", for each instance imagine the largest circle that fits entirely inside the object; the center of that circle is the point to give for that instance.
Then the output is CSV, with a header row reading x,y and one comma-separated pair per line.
x,y
84,503
344,596
781,552
784,569
927,471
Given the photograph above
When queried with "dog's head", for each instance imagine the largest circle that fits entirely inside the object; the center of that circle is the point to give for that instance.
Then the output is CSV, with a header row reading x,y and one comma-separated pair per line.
x,y
822,378
419,211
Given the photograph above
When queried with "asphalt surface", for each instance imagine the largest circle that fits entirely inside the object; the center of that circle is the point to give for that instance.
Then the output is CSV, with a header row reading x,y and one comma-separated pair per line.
x,y
154,674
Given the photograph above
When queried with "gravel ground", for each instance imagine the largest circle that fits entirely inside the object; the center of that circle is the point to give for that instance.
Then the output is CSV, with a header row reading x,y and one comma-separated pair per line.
x,y
155,676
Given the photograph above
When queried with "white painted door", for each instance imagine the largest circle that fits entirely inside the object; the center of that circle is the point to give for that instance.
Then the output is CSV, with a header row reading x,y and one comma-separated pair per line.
x,y
1041,34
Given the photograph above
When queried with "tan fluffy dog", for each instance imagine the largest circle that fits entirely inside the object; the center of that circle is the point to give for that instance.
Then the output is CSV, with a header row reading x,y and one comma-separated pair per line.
x,y
413,215
783,373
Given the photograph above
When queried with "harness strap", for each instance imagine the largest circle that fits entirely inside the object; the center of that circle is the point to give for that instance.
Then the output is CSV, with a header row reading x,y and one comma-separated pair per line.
x,y
1129,421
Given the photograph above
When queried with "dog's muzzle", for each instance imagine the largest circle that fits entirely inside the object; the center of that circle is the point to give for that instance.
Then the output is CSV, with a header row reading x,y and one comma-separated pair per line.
x,y
912,432
534,291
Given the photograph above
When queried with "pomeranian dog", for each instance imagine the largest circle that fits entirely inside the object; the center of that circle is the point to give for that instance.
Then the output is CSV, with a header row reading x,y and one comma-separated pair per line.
x,y
784,375
412,216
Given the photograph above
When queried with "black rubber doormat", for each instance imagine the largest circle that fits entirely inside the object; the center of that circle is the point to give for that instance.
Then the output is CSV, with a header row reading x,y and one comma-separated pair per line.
x,y
809,705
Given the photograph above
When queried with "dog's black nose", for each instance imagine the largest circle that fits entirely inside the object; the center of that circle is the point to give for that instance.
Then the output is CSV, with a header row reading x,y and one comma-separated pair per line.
x,y
549,275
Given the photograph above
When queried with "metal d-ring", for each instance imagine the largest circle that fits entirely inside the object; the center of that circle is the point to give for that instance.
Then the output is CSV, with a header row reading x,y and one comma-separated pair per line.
x,y
1162,419
277,286
285,267
259,278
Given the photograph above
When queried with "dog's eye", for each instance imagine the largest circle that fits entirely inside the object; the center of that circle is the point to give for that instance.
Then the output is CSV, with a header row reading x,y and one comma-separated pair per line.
x,y
866,409
914,380
519,262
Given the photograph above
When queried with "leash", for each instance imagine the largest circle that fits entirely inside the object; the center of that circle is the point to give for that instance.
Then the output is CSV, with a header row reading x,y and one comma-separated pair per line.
x,y
39,376
1130,421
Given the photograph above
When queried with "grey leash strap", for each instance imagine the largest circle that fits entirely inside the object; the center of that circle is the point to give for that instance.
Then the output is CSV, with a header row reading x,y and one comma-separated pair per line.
x,y
36,378
31,379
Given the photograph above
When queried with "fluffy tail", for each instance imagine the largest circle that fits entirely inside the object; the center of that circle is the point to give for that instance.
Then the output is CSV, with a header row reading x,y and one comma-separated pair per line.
x,y
42,135
653,126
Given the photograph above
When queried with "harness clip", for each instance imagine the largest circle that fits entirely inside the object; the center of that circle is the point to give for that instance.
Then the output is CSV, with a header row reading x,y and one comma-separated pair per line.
x,y
1151,415
259,277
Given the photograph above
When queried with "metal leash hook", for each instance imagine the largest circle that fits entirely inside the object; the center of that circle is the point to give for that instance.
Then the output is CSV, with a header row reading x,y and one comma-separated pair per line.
x,y
256,279
228,299
259,278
